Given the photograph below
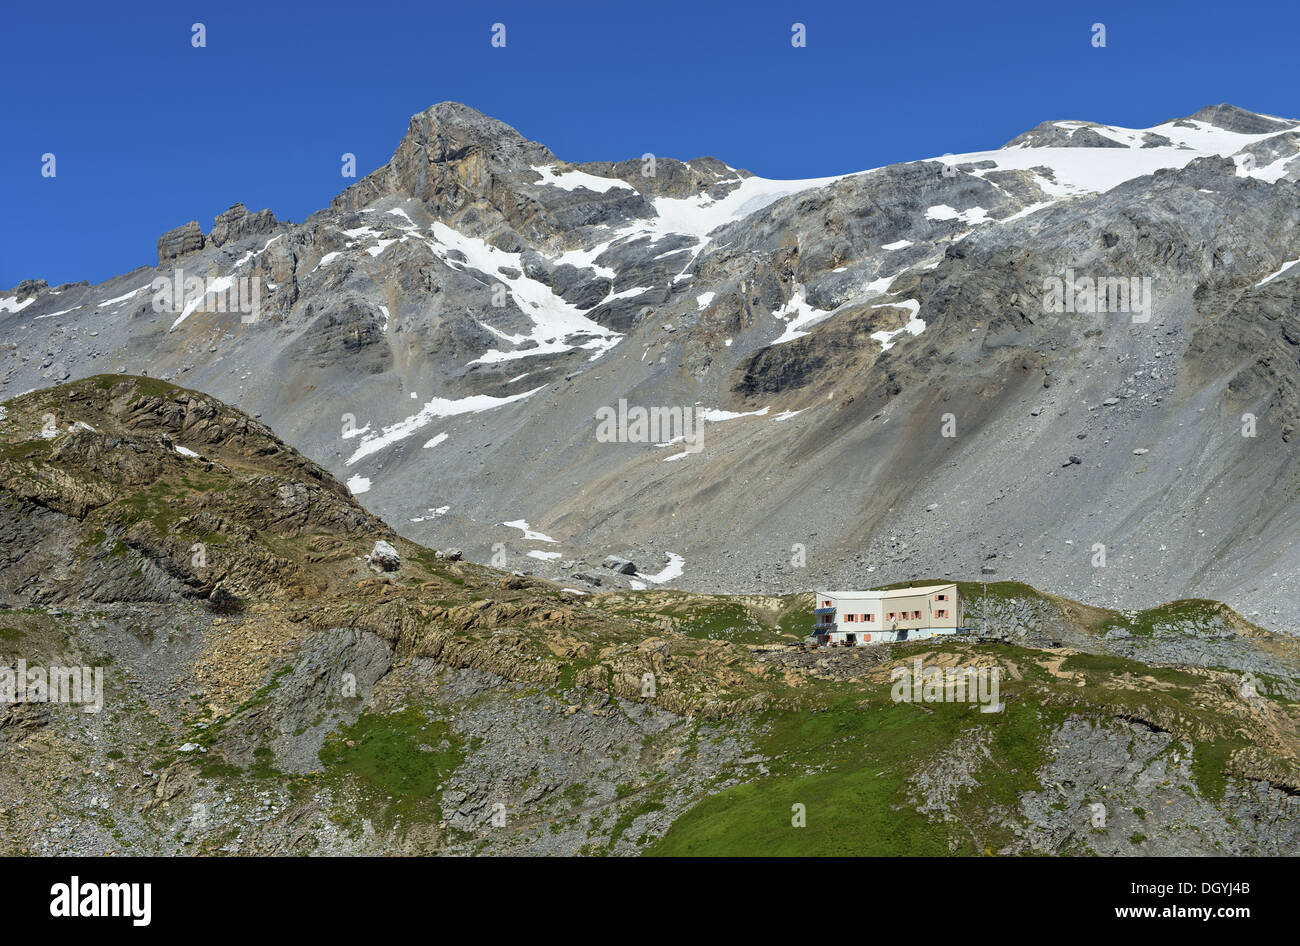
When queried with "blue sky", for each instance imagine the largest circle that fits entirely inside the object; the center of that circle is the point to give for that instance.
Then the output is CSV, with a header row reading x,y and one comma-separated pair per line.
x,y
150,132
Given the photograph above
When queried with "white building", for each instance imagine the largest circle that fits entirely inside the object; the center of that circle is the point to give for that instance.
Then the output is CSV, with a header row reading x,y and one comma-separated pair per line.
x,y
848,618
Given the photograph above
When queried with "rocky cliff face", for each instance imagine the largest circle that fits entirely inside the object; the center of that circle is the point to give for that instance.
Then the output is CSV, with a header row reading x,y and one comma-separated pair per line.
x,y
905,372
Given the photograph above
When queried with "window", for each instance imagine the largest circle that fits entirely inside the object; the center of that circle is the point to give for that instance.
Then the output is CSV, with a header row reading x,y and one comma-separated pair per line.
x,y
850,618
827,604
941,613
870,617
889,616
940,597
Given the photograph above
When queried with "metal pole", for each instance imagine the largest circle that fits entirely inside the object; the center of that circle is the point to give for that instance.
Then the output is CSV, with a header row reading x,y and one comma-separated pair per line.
x,y
985,610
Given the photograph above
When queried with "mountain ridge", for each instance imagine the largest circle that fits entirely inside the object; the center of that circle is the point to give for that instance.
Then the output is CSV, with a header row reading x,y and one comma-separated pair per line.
x,y
841,307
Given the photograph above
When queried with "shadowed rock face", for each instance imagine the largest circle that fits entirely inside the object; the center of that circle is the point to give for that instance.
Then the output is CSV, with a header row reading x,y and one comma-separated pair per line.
x,y
922,396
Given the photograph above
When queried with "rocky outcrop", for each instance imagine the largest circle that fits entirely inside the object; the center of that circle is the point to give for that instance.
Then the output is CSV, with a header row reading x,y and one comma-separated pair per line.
x,y
237,223
182,241
1239,120
1121,788
659,176
621,565
27,288
1063,135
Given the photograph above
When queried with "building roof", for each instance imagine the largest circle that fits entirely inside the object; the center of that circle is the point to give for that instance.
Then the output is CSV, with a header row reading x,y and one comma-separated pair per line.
x,y
891,593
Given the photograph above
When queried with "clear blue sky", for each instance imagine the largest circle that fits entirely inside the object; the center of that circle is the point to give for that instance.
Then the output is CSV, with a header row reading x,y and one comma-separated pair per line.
x,y
150,132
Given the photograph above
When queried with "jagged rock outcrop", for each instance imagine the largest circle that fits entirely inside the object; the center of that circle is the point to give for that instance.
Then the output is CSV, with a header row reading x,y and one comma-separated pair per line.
x,y
237,223
28,288
181,241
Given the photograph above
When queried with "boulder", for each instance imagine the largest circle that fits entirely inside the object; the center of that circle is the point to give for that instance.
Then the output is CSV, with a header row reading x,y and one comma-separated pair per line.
x,y
621,565
384,557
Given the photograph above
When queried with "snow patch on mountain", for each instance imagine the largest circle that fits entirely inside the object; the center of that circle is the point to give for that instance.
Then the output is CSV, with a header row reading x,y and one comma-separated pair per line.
x,y
529,534
573,180
975,215
673,569
214,287
108,302
1285,266
11,303
914,326
434,408
700,215
1096,170
797,314
556,323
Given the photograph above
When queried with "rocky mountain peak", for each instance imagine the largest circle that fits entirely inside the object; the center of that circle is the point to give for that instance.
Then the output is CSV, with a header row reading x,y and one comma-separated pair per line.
x,y
452,156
